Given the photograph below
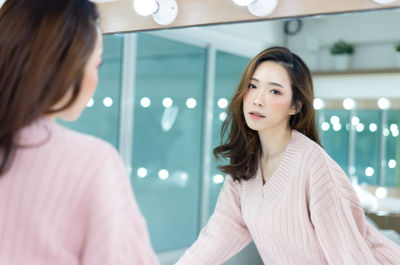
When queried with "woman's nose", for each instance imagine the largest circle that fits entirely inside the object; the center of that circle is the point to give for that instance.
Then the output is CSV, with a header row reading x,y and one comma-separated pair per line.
x,y
258,99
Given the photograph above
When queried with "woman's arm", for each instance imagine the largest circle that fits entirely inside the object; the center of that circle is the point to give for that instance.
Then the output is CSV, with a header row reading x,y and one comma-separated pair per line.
x,y
342,231
225,233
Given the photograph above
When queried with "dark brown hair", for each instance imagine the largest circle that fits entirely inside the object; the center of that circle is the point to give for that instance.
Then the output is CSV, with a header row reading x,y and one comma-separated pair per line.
x,y
242,146
44,48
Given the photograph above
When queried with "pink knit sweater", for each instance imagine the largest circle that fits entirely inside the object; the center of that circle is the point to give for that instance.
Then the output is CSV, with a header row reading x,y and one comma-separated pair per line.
x,y
66,201
306,213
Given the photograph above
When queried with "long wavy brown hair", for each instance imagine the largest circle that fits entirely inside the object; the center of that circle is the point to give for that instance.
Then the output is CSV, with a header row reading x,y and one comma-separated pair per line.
x,y
44,48
242,146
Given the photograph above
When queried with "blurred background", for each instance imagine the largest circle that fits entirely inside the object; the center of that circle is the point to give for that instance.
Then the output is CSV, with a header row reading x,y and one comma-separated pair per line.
x,y
163,96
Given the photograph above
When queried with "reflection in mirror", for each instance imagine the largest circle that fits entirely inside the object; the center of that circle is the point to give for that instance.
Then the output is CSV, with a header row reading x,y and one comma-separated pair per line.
x,y
183,81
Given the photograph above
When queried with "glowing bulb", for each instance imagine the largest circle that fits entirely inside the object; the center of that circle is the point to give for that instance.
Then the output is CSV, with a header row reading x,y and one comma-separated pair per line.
x,y
381,192
337,127
217,179
145,102
360,127
334,119
349,103
145,7
325,126
355,120
243,2
90,103
184,176
191,103
142,172
384,2
318,103
167,102
107,102
386,132
373,127
222,103
369,171
163,174
383,103
222,116
392,163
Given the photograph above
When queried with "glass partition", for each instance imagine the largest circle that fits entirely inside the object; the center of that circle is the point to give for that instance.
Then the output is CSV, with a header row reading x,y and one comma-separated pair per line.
x,y
168,122
366,124
335,134
391,156
167,138
228,71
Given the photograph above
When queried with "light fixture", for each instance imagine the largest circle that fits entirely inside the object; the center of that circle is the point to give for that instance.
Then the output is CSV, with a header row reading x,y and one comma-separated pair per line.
x,y
383,103
384,2
349,103
318,103
259,8
164,12
2,2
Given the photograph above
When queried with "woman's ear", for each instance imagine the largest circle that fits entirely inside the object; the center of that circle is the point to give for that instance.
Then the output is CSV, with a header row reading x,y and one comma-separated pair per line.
x,y
296,108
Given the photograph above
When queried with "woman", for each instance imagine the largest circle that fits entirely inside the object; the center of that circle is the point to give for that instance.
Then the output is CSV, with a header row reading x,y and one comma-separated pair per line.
x,y
284,192
64,197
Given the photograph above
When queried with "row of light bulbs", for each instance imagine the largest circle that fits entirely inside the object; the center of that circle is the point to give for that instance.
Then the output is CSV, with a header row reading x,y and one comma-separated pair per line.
x,y
164,12
349,103
163,174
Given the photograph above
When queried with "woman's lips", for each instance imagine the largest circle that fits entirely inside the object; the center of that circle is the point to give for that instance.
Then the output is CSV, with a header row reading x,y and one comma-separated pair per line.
x,y
256,115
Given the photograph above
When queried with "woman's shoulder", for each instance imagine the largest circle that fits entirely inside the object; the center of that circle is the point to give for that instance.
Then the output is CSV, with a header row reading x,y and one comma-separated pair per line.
x,y
66,142
314,155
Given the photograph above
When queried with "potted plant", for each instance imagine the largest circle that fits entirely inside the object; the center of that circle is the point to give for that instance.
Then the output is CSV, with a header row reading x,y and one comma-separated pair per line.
x,y
397,47
341,52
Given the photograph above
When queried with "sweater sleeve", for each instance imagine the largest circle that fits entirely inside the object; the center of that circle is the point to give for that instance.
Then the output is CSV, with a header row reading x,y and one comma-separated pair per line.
x,y
225,233
342,231
116,232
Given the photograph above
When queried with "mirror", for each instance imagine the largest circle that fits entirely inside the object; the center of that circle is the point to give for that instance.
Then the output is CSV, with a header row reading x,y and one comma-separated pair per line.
x,y
173,89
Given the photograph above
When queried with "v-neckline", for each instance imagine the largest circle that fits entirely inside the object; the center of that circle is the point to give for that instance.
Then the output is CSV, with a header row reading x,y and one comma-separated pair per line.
x,y
277,182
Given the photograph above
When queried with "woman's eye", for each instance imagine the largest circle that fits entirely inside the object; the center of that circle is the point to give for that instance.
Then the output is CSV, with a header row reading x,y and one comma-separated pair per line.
x,y
252,86
274,91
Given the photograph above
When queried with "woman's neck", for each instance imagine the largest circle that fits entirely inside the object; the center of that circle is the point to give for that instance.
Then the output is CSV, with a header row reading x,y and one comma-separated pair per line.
x,y
273,143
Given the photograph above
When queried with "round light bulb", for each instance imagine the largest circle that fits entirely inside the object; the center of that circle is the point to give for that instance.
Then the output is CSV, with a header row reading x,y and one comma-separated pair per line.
x,y
243,2
384,2
381,192
349,103
145,7
373,127
383,103
145,102
262,8
166,13
167,102
318,103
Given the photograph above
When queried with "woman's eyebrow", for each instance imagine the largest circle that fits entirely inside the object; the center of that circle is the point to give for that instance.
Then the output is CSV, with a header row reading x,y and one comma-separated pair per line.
x,y
276,84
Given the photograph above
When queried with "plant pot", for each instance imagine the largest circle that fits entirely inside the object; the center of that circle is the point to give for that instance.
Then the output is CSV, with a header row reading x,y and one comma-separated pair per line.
x,y
398,59
341,62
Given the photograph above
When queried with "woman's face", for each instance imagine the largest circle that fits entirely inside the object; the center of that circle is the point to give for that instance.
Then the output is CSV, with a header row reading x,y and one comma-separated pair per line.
x,y
267,104
88,85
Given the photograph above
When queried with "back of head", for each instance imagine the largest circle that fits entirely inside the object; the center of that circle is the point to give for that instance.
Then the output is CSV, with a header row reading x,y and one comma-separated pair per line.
x,y
44,47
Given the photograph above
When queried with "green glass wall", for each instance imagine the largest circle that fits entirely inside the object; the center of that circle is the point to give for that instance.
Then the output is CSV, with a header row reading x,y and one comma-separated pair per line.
x,y
167,136
166,157
228,72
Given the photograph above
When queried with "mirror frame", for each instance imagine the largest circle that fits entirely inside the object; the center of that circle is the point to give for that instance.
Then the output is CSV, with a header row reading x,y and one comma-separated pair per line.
x,y
119,16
